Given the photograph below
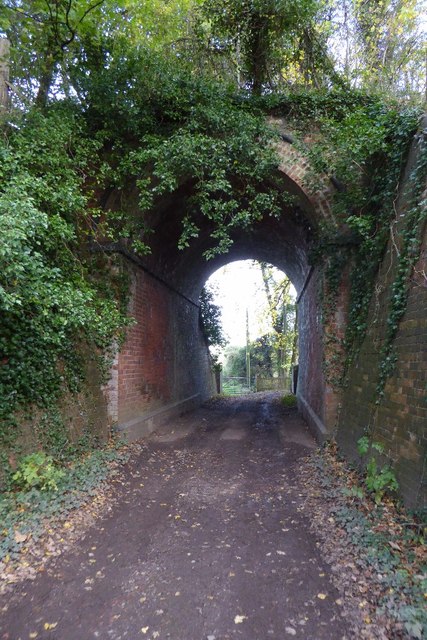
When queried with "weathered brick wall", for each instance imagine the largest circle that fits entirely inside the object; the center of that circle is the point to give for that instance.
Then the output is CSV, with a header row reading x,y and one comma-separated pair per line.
x,y
164,363
145,361
320,354
399,421
310,390
316,198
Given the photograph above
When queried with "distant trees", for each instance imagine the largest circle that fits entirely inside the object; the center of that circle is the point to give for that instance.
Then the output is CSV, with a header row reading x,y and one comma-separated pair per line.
x,y
261,359
261,35
381,45
273,353
276,44
258,45
46,36
210,316
283,317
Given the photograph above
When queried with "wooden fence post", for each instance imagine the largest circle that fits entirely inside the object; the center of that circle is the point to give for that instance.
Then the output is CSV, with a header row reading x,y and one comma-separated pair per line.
x,y
4,73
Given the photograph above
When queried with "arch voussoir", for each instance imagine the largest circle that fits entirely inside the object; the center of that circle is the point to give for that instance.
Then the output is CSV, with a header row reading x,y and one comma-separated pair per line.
x,y
295,165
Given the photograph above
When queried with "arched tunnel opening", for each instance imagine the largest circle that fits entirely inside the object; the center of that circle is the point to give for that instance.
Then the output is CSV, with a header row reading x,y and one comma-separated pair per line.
x,y
249,316
164,367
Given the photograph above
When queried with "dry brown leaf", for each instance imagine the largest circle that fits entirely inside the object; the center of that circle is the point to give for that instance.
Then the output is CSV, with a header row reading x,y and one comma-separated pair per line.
x,y
20,537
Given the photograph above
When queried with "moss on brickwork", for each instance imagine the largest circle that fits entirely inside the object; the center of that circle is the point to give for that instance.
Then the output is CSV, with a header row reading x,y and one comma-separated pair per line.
x,y
392,408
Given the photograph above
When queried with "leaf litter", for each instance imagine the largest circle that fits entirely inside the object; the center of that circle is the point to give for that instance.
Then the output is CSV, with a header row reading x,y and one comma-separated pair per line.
x,y
38,526
377,553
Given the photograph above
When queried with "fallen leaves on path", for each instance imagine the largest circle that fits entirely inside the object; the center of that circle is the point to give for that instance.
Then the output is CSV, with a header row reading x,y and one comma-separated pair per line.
x,y
377,565
58,534
239,619
48,626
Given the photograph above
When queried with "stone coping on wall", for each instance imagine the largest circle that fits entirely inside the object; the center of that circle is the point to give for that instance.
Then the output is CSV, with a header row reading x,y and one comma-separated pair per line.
x,y
146,423
314,422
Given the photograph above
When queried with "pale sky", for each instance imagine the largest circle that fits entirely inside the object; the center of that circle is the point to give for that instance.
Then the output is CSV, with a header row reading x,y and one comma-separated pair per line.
x,y
239,287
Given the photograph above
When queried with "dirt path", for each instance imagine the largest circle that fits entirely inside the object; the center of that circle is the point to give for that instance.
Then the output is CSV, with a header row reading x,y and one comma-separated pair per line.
x,y
208,541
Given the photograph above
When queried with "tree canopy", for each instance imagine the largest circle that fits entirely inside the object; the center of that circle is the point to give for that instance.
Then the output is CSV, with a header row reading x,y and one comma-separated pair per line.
x,y
258,45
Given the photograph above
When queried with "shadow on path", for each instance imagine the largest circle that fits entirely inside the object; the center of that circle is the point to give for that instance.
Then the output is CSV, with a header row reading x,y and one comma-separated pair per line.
x,y
208,541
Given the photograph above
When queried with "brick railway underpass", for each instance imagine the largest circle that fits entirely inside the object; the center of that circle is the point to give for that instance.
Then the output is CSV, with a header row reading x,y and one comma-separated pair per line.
x,y
151,377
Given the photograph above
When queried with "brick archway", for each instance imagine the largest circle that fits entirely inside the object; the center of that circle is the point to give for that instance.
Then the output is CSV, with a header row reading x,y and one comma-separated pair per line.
x,y
155,378
164,366
316,193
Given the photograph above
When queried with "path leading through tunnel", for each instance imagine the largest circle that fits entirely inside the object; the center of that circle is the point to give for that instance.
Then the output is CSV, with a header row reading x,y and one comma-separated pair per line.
x,y
208,540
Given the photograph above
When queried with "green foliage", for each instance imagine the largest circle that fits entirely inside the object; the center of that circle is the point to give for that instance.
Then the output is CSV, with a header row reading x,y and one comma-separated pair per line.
x,y
53,435
262,355
210,314
415,218
384,541
262,352
204,139
281,343
37,470
289,400
26,510
391,45
235,362
169,128
379,479
50,300
363,141
363,445
262,44
403,590
45,35
263,36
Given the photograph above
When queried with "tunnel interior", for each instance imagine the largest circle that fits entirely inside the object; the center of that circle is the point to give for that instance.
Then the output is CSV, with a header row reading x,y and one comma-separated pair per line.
x,y
165,365
282,241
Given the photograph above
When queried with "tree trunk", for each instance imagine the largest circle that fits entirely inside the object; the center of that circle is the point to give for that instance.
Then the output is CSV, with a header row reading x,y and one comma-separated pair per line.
x,y
45,82
4,73
257,54
266,281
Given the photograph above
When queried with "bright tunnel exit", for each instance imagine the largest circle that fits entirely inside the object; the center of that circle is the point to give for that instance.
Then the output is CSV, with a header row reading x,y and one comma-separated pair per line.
x,y
249,315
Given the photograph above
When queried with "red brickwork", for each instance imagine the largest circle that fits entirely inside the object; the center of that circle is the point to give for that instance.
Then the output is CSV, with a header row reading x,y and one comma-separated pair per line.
x,y
399,420
335,317
165,357
321,353
310,375
145,360
316,191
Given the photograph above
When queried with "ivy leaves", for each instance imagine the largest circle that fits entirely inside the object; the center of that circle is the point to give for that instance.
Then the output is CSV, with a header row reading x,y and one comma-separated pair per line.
x,y
224,153
49,301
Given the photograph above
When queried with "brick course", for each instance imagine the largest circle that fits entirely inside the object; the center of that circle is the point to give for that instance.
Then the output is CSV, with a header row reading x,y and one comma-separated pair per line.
x,y
399,421
165,357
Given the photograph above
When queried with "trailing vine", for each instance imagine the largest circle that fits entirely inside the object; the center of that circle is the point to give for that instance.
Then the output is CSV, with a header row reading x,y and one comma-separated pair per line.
x,y
363,142
52,302
373,226
415,219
